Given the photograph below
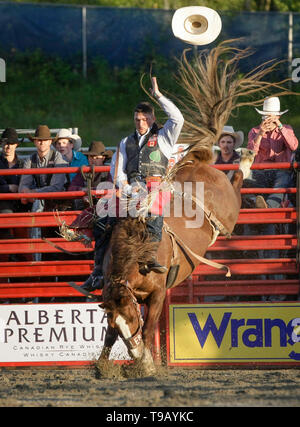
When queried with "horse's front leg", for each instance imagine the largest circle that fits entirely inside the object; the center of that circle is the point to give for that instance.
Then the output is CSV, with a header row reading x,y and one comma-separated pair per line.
x,y
110,338
155,305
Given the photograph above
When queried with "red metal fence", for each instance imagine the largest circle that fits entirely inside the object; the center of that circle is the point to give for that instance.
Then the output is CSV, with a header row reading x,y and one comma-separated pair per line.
x,y
48,276
23,278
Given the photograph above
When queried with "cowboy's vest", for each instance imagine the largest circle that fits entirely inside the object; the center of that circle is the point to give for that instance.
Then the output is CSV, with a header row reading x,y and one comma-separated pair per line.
x,y
145,160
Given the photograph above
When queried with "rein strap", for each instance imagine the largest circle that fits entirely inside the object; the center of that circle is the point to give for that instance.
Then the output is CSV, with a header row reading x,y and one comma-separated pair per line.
x,y
135,339
198,257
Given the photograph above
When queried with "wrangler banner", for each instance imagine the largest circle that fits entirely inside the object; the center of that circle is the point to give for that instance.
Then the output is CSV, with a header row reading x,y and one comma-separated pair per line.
x,y
234,334
54,333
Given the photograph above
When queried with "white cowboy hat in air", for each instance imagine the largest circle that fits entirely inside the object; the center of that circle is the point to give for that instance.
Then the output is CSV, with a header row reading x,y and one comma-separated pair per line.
x,y
67,134
238,135
197,25
271,107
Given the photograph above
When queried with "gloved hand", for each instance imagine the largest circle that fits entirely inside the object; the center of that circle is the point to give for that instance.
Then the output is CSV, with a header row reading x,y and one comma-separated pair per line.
x,y
126,190
135,194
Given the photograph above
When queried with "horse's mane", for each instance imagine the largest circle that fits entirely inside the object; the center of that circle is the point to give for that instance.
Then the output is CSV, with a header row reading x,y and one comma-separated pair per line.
x,y
130,244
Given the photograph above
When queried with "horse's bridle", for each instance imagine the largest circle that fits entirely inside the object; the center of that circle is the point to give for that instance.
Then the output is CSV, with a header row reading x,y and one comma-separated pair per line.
x,y
135,339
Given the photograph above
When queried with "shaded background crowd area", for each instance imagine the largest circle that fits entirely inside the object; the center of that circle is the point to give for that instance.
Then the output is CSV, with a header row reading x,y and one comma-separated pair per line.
x,y
80,66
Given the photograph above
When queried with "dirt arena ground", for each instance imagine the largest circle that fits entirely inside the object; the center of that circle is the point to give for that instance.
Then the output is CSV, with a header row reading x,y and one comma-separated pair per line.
x,y
175,387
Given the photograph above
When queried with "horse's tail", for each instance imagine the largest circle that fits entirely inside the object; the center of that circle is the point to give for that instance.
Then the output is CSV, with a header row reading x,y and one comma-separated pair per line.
x,y
213,87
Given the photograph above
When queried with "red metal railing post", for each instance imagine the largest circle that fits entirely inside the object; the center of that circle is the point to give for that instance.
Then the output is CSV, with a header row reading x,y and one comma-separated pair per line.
x,y
156,347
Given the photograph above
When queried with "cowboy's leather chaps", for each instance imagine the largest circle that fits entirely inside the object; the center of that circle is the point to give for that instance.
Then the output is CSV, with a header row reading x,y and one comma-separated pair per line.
x,y
154,226
102,232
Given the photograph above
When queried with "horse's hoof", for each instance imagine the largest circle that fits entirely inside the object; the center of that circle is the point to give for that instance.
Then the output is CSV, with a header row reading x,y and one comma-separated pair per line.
x,y
107,369
148,364
144,371
149,372
247,158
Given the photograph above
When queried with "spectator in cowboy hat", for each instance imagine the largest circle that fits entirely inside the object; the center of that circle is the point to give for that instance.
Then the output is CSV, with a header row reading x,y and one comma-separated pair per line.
x,y
9,160
45,157
68,145
273,142
97,149
97,156
10,184
228,142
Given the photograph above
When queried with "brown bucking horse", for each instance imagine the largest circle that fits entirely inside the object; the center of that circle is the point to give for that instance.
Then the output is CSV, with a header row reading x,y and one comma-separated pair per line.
x,y
213,89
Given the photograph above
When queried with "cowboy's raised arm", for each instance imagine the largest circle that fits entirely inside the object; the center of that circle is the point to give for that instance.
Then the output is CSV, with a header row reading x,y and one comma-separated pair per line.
x,y
154,90
171,130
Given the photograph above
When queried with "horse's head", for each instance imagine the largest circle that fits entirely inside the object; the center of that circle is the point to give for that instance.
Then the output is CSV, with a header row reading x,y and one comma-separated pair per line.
x,y
123,314
129,248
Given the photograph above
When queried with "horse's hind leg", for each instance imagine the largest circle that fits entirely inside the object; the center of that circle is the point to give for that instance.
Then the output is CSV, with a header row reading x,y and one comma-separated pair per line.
x,y
237,180
247,158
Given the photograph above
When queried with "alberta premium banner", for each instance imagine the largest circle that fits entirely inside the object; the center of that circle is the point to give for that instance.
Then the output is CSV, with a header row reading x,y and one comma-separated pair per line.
x,y
54,333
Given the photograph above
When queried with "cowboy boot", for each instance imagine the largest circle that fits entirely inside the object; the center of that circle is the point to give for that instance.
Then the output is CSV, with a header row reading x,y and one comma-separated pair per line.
x,y
154,265
154,227
95,280
102,232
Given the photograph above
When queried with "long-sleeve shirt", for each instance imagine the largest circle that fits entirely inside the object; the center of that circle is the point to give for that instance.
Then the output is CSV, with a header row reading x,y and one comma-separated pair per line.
x,y
6,180
57,180
167,137
79,159
235,158
275,146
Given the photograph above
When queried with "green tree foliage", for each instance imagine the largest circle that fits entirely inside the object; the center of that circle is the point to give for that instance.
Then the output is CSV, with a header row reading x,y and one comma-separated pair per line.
x,y
226,5
275,5
100,106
